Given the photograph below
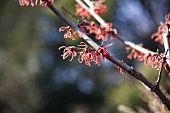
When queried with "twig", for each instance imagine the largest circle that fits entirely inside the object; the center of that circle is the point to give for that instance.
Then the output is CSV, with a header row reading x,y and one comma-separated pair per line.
x,y
139,76
138,47
73,15
159,77
96,16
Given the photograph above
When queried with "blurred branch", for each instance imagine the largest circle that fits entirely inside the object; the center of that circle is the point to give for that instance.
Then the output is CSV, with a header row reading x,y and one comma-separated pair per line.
x,y
127,43
103,23
73,15
165,40
139,76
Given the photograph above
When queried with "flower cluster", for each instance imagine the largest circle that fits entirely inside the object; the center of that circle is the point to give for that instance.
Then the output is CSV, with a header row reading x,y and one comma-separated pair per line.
x,y
98,8
68,51
32,2
156,60
133,53
86,54
70,32
84,26
102,32
163,28
82,12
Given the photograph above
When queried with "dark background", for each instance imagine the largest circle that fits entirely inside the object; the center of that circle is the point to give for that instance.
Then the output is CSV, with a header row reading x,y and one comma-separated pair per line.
x,y
35,79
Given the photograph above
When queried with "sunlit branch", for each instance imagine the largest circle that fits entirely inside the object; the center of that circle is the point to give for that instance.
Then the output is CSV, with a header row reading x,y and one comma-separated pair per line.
x,y
96,16
102,22
165,40
90,4
138,47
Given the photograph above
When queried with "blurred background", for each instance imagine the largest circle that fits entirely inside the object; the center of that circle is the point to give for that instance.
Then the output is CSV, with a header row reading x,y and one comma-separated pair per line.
x,y
35,79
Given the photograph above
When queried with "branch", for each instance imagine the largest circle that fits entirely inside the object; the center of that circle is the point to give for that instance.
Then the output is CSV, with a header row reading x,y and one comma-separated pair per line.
x,y
138,47
139,76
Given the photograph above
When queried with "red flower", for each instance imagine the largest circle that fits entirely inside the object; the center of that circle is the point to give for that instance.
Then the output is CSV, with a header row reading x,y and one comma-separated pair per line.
x,y
102,32
163,28
68,51
102,50
86,55
82,12
158,35
135,54
96,58
70,33
157,61
42,2
84,27
120,69
99,8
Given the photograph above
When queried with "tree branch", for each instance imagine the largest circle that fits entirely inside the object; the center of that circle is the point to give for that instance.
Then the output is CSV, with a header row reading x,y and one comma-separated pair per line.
x,y
96,16
139,76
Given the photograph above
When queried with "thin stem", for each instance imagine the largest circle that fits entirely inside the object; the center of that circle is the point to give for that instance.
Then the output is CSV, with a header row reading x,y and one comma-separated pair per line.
x,y
119,38
73,15
139,76
159,77
160,71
